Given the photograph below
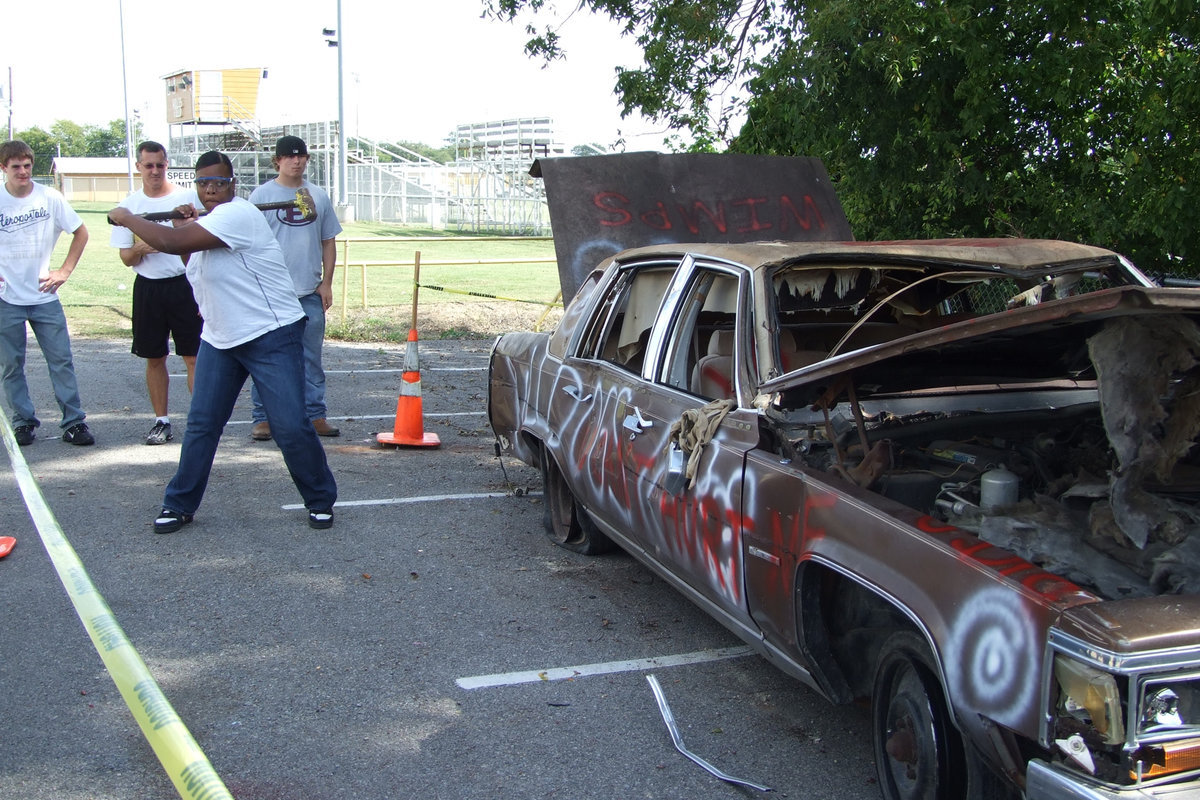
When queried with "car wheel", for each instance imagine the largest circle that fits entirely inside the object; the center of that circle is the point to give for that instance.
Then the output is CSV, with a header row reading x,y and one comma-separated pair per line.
x,y
567,524
918,752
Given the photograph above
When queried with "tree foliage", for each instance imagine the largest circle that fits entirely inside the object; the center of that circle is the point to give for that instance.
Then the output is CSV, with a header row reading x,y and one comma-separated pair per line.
x,y
390,151
67,138
1078,119
442,155
44,148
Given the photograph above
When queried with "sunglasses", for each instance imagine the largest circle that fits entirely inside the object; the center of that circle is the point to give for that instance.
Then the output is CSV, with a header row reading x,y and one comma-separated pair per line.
x,y
214,183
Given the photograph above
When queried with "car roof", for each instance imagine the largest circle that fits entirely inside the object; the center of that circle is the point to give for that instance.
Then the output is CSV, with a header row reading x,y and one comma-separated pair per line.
x,y
1012,256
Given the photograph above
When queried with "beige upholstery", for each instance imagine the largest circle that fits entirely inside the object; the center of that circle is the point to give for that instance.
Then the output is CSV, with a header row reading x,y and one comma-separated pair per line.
x,y
792,357
713,374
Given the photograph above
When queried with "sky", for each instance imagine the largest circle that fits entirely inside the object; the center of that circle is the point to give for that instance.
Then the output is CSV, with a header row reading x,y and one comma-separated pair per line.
x,y
412,70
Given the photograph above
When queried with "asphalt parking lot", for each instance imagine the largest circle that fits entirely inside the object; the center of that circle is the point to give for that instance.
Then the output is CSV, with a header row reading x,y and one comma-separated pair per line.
x,y
330,665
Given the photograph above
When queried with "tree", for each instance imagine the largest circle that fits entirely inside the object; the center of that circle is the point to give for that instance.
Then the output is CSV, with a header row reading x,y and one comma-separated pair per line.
x,y
109,141
44,148
441,155
71,137
1078,119
387,152
67,138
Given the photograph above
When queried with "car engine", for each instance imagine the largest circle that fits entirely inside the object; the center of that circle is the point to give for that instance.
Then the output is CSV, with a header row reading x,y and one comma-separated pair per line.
x,y
1104,491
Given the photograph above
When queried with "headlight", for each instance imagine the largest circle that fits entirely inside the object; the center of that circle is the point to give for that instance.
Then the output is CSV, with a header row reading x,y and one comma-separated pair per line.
x,y
1091,697
1169,703
1161,709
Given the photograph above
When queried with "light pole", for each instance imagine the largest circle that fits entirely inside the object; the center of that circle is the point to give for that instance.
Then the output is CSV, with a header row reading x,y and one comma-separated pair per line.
x,y
125,89
8,102
345,210
357,93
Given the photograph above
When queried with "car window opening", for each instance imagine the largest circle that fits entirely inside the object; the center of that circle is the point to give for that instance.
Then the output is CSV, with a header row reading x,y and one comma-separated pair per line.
x,y
621,327
837,309
701,351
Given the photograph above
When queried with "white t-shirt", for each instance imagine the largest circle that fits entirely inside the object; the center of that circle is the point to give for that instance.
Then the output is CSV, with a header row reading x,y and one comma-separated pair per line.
x,y
244,289
29,228
154,265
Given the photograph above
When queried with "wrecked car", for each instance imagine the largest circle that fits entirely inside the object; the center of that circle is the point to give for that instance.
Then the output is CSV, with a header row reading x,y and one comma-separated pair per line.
x,y
955,478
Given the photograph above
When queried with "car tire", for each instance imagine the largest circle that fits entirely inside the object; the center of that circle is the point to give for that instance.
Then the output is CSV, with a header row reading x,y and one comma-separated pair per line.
x,y
919,754
567,523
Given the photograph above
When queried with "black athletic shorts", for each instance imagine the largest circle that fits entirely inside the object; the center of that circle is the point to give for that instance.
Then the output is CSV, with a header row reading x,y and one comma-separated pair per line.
x,y
162,308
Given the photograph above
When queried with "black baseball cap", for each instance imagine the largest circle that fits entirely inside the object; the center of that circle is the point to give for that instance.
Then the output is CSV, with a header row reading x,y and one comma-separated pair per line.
x,y
290,146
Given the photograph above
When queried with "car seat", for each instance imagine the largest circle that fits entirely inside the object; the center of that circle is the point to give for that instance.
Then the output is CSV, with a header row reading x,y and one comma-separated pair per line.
x,y
792,357
712,376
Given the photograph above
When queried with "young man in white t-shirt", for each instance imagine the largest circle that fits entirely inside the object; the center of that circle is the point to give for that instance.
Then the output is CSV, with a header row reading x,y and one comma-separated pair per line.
x,y
31,219
163,304
253,326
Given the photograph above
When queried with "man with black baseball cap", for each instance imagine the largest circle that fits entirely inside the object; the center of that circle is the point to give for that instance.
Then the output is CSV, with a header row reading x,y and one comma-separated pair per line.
x,y
289,146
309,252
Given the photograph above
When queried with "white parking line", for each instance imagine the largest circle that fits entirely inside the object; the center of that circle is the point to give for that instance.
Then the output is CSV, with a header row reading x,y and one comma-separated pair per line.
x,y
606,668
556,673
426,414
379,416
480,368
389,369
400,501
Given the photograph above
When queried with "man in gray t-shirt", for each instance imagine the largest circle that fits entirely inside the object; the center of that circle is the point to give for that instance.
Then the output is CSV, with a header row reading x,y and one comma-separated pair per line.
x,y
309,252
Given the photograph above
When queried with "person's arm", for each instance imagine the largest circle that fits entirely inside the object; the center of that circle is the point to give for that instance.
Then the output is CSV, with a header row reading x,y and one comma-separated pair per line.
x,y
328,262
57,277
130,249
181,241
132,256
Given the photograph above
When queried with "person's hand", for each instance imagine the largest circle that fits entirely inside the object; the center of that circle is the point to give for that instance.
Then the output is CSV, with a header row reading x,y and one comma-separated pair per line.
x,y
141,249
52,280
187,213
118,216
325,292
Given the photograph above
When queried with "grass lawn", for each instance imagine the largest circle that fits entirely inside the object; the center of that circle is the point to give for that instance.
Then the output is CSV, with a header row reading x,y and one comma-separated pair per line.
x,y
372,297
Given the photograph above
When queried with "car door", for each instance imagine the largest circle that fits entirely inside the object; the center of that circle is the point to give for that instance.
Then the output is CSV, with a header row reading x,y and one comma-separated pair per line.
x,y
600,375
692,528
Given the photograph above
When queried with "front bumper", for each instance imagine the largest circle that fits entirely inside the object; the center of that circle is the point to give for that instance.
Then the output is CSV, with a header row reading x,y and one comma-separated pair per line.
x,y
1044,781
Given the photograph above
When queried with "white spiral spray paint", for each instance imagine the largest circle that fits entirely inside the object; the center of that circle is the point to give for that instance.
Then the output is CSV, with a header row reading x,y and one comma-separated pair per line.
x,y
993,656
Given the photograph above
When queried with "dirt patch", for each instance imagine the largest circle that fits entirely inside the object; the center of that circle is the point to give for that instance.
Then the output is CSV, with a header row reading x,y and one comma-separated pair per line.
x,y
443,320
487,318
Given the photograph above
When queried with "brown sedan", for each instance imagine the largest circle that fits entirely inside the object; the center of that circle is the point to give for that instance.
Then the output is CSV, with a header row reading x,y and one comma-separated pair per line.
x,y
952,477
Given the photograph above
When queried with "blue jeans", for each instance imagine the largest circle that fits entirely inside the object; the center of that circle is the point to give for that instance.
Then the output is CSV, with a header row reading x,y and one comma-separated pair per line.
x,y
314,372
273,360
49,325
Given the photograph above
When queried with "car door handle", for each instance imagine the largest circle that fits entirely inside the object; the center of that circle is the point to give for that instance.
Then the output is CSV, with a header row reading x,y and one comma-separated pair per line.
x,y
635,423
573,393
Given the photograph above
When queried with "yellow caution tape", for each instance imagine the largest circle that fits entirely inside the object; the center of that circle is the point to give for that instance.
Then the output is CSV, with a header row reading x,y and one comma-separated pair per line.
x,y
184,762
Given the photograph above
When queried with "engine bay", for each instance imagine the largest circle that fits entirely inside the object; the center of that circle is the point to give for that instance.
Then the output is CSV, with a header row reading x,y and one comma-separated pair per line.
x,y
1102,488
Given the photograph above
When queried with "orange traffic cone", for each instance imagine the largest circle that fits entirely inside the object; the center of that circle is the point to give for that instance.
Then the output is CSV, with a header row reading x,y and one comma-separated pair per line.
x,y
409,430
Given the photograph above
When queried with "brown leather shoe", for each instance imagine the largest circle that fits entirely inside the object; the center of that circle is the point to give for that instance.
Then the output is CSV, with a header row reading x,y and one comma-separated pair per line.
x,y
323,428
261,431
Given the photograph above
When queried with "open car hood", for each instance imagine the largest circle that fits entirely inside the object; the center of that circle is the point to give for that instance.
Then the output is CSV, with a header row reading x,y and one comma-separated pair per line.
x,y
1043,343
